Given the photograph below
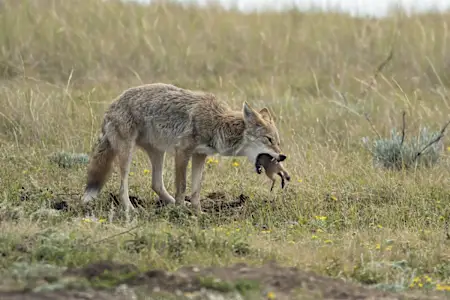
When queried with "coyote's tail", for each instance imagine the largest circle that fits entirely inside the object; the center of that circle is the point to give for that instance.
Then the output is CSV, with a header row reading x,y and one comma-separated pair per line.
x,y
99,167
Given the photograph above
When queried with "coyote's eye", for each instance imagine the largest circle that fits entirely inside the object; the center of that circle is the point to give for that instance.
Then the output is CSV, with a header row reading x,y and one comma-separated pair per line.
x,y
269,139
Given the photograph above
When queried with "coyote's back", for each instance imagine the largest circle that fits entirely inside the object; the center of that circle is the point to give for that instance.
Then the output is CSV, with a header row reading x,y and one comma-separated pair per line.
x,y
162,115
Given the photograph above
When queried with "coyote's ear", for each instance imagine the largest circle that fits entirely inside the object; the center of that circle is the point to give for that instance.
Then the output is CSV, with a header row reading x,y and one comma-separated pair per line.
x,y
265,113
250,115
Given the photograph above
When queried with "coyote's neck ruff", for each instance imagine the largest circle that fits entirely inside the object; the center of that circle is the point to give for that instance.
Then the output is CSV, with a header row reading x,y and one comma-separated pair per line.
x,y
227,138
161,118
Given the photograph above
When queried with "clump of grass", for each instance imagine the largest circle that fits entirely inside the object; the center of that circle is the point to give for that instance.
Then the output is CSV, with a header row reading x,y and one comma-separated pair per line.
x,y
23,271
68,160
242,286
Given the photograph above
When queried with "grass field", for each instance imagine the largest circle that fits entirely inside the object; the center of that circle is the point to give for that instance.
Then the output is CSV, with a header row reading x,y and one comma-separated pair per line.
x,y
62,63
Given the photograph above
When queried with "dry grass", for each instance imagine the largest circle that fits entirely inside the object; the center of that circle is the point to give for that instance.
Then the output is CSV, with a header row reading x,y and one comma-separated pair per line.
x,y
61,63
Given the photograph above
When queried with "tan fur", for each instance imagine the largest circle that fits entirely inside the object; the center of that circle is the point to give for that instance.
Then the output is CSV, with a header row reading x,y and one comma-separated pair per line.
x,y
161,118
272,167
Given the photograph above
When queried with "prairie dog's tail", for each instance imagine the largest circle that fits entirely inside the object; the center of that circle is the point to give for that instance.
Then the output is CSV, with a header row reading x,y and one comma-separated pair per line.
x,y
99,167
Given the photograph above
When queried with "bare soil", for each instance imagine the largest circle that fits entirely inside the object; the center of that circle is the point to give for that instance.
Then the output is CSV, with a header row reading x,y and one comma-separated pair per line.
x,y
283,282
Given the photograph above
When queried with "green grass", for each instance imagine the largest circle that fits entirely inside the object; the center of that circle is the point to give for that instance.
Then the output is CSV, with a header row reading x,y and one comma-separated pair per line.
x,y
61,64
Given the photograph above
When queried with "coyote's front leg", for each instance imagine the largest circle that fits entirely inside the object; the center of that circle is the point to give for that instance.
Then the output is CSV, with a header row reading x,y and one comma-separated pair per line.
x,y
157,160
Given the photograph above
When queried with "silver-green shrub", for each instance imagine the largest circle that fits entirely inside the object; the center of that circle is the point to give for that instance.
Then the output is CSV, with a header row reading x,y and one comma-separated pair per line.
x,y
399,153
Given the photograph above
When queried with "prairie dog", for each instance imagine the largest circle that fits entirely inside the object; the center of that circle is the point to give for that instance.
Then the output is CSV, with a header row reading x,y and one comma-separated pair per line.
x,y
272,167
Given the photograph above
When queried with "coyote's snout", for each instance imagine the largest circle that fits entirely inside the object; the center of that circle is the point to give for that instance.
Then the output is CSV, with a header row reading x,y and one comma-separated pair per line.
x,y
272,167
161,118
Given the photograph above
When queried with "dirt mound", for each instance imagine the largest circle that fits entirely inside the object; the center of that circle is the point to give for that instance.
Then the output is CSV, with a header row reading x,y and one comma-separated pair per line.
x,y
217,202
280,282
214,203
100,268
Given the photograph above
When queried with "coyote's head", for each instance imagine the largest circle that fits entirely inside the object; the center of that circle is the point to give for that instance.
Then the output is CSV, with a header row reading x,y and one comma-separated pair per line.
x,y
261,134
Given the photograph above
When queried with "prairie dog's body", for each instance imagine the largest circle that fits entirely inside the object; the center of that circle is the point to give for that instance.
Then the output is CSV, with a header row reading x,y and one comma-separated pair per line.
x,y
272,167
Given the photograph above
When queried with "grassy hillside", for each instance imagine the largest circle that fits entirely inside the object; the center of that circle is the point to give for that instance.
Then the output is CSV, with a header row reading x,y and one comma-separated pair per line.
x,y
62,63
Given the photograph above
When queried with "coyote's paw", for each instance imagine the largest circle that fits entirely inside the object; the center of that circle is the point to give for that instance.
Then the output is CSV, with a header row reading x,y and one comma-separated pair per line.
x,y
88,196
166,201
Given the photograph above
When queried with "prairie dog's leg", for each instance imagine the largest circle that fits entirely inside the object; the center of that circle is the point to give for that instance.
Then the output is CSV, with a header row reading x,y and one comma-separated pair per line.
x,y
273,184
282,180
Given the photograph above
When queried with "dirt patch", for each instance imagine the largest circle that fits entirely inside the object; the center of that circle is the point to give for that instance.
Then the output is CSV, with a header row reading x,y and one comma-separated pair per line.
x,y
215,203
283,282
218,202
99,269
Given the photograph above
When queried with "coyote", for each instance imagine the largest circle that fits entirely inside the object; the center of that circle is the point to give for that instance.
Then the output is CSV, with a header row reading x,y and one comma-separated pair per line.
x,y
161,118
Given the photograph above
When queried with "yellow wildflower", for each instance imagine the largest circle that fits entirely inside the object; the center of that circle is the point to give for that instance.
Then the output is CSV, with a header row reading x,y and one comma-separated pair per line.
x,y
378,246
442,287
271,295
235,164
314,237
146,171
328,241
321,218
212,160
300,180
